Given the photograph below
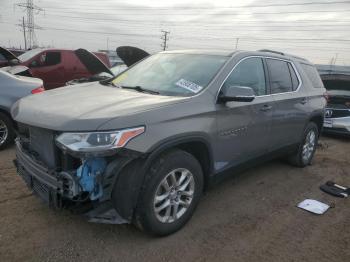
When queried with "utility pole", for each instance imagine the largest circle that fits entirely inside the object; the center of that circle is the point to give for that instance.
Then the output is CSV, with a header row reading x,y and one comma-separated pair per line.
x,y
29,25
24,34
165,39
237,39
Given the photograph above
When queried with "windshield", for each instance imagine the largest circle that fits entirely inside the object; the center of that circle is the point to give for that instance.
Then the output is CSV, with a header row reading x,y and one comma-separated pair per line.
x,y
29,54
172,74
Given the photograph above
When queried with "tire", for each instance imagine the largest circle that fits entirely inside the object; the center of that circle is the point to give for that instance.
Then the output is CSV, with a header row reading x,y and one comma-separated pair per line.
x,y
306,149
7,133
168,168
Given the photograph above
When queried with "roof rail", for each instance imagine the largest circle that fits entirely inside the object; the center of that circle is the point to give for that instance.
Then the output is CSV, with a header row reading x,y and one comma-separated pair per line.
x,y
280,53
270,51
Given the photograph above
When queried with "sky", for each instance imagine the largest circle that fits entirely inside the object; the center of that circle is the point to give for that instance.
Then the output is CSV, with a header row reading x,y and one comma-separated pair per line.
x,y
318,30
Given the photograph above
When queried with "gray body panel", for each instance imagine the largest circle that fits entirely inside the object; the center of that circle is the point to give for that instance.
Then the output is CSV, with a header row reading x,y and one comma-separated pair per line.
x,y
235,131
13,88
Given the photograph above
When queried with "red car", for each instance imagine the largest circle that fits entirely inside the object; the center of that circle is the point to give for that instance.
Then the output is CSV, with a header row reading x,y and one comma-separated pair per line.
x,y
56,66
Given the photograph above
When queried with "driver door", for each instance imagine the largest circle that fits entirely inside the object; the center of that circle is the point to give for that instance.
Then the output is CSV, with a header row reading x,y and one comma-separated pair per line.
x,y
244,127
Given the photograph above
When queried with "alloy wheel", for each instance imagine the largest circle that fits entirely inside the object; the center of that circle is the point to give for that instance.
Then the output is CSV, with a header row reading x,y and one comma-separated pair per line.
x,y
3,132
174,195
309,146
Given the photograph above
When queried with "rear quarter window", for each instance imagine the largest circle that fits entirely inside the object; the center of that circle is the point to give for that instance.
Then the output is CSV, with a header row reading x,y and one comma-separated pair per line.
x,y
313,75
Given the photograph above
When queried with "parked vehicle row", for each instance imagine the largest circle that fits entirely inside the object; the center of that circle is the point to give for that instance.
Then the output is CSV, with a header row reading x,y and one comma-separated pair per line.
x,y
128,54
12,88
54,66
142,146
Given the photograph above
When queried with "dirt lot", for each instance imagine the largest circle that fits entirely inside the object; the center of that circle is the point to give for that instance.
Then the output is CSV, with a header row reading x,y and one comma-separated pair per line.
x,y
251,217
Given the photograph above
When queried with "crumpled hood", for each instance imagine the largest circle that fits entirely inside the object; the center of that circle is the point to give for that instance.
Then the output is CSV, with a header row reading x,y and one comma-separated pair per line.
x,y
85,107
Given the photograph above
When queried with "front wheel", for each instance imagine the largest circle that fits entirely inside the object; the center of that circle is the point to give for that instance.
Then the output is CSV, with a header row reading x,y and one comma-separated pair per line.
x,y
307,147
171,193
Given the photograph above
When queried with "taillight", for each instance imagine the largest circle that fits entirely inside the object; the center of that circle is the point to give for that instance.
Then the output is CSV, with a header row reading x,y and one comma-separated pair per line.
x,y
326,96
38,90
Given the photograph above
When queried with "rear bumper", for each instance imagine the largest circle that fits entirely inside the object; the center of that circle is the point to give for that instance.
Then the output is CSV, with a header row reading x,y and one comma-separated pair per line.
x,y
340,126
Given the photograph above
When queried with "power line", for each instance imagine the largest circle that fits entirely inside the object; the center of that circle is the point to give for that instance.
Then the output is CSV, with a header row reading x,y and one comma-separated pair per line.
x,y
206,37
211,7
220,14
261,28
176,23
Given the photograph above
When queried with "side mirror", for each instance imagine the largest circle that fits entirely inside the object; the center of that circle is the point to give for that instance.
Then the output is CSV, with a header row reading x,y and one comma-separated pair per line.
x,y
236,93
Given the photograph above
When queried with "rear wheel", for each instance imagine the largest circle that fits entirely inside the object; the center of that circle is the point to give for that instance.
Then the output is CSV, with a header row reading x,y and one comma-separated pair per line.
x,y
6,131
170,194
307,147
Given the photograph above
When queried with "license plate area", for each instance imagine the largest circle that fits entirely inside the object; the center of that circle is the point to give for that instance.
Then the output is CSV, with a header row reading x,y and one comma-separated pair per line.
x,y
328,123
45,193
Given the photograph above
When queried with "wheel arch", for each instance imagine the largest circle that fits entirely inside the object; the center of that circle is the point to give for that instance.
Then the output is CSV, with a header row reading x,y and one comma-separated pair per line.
x,y
318,120
126,200
197,145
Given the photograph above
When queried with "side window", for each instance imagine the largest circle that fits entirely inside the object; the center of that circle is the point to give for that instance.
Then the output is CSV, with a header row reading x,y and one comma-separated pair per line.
x,y
2,58
280,77
52,58
313,75
249,73
295,80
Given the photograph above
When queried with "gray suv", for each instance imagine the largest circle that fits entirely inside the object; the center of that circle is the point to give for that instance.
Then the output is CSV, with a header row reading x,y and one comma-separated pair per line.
x,y
141,147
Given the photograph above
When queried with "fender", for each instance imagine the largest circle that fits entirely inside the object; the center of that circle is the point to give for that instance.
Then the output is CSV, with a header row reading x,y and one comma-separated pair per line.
x,y
176,140
129,183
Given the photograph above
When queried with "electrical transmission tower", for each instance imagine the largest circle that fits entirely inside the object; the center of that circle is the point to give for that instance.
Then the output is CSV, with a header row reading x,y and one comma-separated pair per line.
x,y
165,39
29,26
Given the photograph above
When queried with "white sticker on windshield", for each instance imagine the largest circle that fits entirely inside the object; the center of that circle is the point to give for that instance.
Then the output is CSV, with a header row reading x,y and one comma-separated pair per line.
x,y
189,85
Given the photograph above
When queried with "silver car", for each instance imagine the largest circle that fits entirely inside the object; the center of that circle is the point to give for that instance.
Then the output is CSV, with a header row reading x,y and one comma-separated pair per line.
x,y
337,112
13,88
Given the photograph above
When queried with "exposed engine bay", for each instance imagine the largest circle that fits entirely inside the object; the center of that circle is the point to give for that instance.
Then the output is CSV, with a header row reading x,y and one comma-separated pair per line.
x,y
87,179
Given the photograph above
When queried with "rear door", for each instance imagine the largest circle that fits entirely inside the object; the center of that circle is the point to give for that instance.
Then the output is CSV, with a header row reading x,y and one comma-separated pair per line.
x,y
244,127
291,103
49,67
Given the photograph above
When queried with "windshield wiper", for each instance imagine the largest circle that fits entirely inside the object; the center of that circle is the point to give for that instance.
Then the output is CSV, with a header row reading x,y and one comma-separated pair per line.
x,y
107,82
140,89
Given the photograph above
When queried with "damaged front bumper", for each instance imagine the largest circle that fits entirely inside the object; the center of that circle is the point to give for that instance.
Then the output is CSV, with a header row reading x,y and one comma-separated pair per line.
x,y
51,187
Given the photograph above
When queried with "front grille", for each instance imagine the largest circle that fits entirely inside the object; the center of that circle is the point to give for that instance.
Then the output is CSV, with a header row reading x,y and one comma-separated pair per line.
x,y
336,113
40,143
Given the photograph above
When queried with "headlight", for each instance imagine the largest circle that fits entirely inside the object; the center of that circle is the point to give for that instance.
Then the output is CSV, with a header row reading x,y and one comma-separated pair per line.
x,y
97,141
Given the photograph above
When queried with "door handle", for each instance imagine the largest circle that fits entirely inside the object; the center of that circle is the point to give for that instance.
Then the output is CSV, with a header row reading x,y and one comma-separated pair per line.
x,y
266,108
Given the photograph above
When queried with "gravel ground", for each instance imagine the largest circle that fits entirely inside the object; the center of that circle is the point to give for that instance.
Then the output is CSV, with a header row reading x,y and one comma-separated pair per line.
x,y
249,217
